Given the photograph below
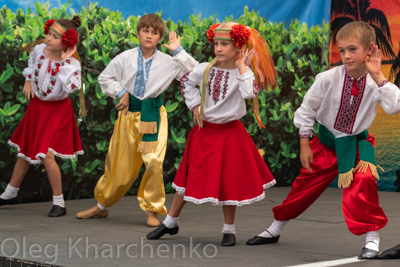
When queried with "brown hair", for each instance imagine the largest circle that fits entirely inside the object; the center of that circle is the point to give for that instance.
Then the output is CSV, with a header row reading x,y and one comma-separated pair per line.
x,y
74,23
151,20
360,30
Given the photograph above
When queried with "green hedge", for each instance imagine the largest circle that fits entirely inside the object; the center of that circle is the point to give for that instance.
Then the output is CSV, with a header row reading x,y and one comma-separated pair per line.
x,y
299,53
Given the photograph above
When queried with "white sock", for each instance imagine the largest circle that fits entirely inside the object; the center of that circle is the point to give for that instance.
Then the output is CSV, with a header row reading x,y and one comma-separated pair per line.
x,y
229,229
274,230
171,222
9,193
59,200
372,240
101,207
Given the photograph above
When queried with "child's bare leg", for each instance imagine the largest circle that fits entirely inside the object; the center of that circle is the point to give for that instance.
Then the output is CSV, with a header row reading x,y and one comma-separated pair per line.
x,y
177,206
54,174
20,169
10,194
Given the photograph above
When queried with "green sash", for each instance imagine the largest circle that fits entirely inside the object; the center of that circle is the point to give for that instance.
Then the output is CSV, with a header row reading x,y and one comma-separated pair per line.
x,y
346,148
149,121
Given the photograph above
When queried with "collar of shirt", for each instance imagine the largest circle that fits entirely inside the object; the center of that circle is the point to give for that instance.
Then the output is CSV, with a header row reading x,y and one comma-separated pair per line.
x,y
351,77
142,74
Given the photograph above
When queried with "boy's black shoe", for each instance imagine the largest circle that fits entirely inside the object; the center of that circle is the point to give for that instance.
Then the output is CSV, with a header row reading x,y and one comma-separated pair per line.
x,y
258,240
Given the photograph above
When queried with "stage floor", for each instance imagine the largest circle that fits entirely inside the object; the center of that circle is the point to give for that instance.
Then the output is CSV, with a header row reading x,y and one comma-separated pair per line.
x,y
319,237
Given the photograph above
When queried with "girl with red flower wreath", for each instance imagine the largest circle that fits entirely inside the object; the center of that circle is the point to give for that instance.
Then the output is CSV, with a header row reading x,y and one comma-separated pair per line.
x,y
49,127
221,164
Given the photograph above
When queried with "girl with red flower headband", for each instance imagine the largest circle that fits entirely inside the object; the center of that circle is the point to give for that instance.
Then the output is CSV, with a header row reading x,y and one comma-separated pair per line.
x,y
48,127
221,163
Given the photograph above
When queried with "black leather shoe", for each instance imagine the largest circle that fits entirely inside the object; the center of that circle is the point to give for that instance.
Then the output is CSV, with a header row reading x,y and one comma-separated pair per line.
x,y
162,230
228,240
391,253
57,211
258,240
10,201
367,253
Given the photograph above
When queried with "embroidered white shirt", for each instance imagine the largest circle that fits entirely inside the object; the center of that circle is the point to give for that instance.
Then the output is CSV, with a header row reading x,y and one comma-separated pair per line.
x,y
52,80
226,92
121,73
329,102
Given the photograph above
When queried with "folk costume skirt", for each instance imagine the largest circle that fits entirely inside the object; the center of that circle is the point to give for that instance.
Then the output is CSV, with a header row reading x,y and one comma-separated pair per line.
x,y
222,165
360,202
47,126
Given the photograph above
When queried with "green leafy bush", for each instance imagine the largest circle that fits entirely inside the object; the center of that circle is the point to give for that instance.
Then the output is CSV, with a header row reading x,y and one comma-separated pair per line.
x,y
298,52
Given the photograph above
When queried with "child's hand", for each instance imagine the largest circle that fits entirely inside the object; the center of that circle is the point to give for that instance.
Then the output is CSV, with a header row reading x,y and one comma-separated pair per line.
x,y
240,62
306,155
27,91
196,116
373,65
373,61
173,41
123,103
69,52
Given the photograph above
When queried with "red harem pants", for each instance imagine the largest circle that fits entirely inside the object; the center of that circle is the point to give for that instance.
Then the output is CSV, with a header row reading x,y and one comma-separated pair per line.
x,y
360,202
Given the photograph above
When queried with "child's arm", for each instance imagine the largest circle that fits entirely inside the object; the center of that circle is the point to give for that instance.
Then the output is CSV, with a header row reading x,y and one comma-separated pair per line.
x,y
247,83
123,103
28,74
190,93
28,91
184,61
373,64
388,93
69,71
304,118
110,78
306,155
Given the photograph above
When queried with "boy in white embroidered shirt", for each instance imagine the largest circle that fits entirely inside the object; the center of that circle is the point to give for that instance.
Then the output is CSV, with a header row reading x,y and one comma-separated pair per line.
x,y
343,101
138,77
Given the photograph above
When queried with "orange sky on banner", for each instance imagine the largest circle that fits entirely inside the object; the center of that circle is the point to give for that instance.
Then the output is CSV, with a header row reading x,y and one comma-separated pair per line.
x,y
391,9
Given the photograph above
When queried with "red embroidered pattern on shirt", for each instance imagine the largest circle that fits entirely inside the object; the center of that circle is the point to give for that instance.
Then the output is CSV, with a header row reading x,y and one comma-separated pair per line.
x,y
184,79
210,81
349,104
71,84
53,79
225,85
256,89
217,86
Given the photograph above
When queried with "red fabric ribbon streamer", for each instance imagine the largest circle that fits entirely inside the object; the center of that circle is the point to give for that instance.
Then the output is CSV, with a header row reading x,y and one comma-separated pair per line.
x,y
354,91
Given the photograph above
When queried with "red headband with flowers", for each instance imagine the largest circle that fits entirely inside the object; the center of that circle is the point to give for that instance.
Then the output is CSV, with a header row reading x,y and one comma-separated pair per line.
x,y
69,37
239,34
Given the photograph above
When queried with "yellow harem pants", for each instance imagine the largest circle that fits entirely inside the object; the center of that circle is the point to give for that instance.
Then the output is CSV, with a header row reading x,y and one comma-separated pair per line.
x,y
123,164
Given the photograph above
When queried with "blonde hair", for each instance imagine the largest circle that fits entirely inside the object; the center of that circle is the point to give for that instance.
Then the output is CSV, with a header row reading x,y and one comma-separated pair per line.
x,y
357,29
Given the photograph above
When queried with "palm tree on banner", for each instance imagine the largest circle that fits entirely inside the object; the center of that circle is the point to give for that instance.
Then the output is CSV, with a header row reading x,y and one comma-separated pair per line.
x,y
345,11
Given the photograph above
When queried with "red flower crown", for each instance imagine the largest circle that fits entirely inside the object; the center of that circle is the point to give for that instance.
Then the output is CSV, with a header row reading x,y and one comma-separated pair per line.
x,y
239,34
47,25
69,37
210,33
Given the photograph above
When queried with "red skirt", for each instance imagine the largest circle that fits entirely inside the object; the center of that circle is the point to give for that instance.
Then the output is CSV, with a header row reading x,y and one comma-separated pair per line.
x,y
222,165
47,126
